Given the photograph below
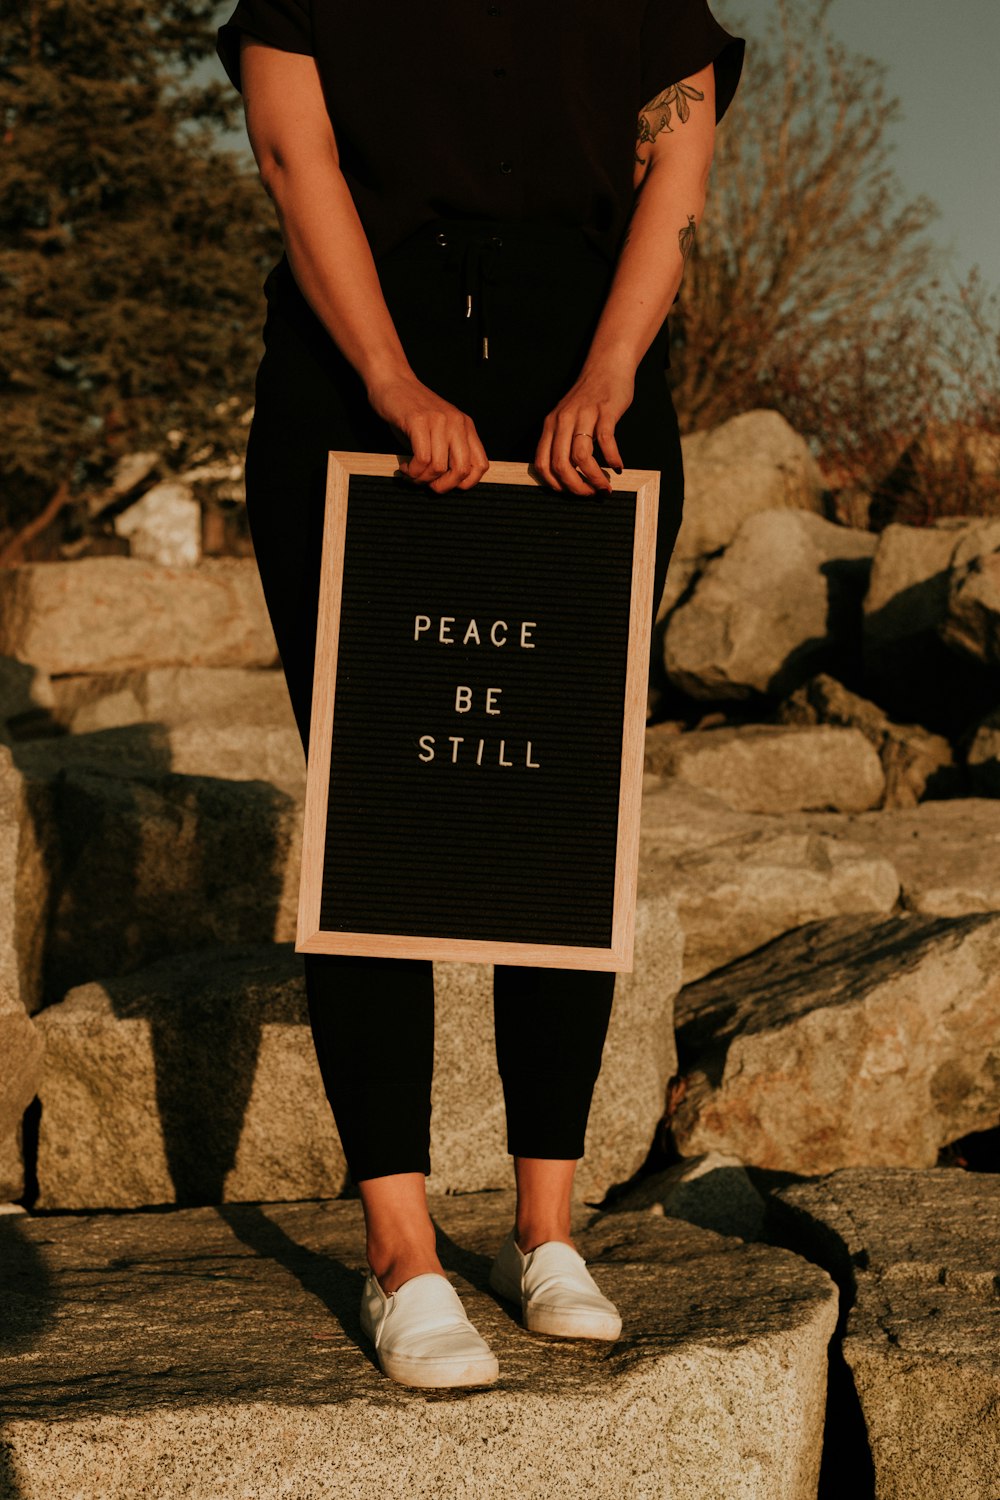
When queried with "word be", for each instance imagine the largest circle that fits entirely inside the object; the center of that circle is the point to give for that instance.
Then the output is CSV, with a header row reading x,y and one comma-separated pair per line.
x,y
427,744
422,624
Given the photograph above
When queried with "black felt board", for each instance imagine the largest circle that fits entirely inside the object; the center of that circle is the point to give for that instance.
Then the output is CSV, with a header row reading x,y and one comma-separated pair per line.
x,y
445,848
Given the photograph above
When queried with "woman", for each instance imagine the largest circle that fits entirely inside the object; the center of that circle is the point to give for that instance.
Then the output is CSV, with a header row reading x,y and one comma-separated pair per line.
x,y
485,222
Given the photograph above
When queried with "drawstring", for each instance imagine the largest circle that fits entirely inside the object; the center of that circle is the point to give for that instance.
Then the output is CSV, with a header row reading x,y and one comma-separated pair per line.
x,y
475,258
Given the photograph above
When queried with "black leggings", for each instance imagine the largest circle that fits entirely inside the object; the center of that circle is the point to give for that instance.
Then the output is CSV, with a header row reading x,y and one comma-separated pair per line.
x,y
536,296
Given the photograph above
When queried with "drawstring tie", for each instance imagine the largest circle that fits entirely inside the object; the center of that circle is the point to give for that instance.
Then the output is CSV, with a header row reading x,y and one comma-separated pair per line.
x,y
476,255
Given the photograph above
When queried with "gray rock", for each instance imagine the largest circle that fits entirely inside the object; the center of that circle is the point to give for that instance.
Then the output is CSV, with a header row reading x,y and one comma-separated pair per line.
x,y
228,751
192,1081
909,669
173,695
739,880
149,864
136,1067
848,1042
773,768
782,602
915,1253
914,761
12,1180
946,854
27,700
137,614
972,618
258,1366
713,1191
755,461
984,757
164,526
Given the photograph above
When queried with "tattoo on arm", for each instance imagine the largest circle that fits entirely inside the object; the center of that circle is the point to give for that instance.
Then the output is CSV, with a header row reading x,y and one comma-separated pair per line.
x,y
686,238
655,116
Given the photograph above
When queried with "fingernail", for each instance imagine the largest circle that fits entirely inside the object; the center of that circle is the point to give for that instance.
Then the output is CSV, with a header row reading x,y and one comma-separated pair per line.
x,y
617,468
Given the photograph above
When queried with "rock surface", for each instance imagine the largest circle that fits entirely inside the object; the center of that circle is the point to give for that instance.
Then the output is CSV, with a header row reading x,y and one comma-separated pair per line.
x,y
173,695
158,863
847,1042
915,1254
756,461
946,854
972,617
712,1190
910,669
914,761
782,602
164,526
739,880
192,1081
212,615
770,768
135,1069
225,751
219,1353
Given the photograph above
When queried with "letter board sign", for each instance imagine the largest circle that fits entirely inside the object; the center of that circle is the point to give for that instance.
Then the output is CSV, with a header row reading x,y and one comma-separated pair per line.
x,y
474,776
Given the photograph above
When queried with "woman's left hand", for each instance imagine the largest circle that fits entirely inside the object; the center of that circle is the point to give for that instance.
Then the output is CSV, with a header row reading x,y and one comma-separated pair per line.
x,y
585,419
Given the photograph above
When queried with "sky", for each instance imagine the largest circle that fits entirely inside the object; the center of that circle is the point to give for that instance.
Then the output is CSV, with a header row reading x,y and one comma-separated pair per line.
x,y
941,58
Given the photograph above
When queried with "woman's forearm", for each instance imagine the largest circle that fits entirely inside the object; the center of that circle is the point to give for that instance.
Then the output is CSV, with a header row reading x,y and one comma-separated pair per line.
x,y
668,208
674,148
332,262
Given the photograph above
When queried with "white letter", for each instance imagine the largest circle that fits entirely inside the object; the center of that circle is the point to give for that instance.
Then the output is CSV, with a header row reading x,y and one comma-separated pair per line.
x,y
473,629
443,635
426,742
502,761
493,637
528,760
418,626
463,699
489,700
524,642
479,753
456,740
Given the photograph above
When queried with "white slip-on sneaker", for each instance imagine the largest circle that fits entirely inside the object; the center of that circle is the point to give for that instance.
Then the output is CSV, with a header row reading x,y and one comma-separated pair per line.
x,y
555,1291
422,1334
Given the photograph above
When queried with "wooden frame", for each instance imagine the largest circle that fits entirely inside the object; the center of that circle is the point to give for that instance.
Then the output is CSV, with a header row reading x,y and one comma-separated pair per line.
x,y
310,938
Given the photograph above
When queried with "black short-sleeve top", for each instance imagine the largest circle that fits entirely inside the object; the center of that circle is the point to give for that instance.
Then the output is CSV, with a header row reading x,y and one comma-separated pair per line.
x,y
506,109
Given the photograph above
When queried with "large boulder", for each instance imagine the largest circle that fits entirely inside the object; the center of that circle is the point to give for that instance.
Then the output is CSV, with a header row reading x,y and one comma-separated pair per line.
x,y
983,759
740,880
219,1354
754,461
946,855
23,910
152,863
712,1190
914,761
770,768
848,1042
229,751
27,700
195,1080
972,619
914,1253
782,602
172,695
909,668
136,614
164,526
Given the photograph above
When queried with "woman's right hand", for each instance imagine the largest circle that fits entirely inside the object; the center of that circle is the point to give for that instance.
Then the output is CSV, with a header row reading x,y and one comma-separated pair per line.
x,y
447,453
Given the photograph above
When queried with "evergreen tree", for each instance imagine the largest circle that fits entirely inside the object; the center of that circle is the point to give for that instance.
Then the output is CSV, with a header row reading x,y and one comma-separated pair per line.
x,y
132,247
